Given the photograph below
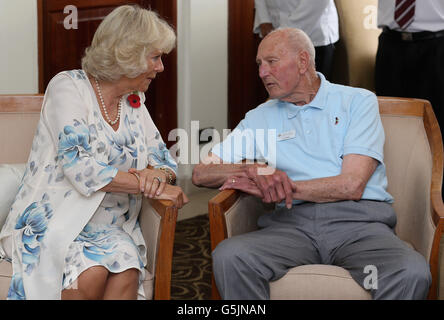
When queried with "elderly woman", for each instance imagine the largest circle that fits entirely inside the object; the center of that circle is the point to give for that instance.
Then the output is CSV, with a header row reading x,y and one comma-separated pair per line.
x,y
73,227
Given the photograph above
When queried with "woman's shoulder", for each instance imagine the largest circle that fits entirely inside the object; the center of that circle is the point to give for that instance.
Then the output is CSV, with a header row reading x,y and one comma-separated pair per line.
x,y
68,77
70,82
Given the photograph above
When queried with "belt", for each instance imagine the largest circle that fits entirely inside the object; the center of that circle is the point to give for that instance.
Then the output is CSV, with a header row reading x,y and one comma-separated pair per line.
x,y
413,36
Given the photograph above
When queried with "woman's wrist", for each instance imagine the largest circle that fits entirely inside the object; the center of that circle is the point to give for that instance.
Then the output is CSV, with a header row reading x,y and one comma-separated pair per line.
x,y
169,174
136,175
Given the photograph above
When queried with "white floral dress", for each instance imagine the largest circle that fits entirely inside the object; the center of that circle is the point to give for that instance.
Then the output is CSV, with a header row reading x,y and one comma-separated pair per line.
x,y
60,223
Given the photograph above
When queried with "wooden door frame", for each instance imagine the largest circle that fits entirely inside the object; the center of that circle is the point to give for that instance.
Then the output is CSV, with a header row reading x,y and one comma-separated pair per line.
x,y
245,89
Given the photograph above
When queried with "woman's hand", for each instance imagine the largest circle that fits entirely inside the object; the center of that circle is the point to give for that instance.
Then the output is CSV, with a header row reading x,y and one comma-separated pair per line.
x,y
152,188
175,194
152,182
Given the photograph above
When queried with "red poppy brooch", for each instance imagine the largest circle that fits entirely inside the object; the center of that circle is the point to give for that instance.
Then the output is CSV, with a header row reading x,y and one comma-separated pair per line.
x,y
134,100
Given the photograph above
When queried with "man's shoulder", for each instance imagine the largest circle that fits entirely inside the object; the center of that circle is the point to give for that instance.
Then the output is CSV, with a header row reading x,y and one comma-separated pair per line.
x,y
266,108
349,90
351,97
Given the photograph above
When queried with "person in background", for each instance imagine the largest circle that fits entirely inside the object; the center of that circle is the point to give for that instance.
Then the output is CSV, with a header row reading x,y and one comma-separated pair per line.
x,y
73,231
318,19
410,56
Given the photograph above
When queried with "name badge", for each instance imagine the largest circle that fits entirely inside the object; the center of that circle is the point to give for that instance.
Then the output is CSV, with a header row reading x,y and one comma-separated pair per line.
x,y
286,135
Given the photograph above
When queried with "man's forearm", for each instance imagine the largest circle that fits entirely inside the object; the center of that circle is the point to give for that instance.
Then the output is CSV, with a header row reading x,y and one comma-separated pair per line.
x,y
330,189
214,175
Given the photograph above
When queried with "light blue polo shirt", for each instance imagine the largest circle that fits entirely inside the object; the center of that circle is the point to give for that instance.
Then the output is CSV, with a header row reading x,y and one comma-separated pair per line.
x,y
310,141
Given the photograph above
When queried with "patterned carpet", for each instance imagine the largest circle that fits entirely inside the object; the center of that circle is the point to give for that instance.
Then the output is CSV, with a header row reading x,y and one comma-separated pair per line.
x,y
191,274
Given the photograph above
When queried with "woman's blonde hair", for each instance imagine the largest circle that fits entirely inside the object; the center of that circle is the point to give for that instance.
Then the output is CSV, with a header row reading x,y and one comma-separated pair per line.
x,y
123,41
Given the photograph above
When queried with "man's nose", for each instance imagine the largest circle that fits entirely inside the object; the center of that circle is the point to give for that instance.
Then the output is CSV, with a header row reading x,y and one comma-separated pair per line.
x,y
263,71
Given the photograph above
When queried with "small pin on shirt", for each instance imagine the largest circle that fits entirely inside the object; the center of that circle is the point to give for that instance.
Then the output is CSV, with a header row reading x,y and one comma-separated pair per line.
x,y
336,120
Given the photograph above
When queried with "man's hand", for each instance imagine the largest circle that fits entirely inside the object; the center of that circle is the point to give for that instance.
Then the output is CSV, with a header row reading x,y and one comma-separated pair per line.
x,y
243,184
274,184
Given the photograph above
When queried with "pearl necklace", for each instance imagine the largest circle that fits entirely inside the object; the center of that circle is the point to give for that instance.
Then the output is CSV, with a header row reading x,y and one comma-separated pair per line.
x,y
112,122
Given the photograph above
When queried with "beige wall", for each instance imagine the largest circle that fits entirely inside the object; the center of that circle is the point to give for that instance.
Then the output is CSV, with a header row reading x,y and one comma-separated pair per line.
x,y
18,54
356,49
202,66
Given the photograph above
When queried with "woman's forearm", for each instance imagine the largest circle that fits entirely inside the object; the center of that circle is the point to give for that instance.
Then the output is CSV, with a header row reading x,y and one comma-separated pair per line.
x,y
123,182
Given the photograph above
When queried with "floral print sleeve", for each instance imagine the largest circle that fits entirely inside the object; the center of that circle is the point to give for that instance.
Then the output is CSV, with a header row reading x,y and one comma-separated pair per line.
x,y
159,156
66,116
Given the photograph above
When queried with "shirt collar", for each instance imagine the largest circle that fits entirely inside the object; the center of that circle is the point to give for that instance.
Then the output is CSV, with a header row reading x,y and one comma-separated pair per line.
x,y
318,102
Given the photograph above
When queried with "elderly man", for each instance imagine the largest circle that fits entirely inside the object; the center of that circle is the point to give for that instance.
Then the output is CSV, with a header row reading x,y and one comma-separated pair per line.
x,y
329,182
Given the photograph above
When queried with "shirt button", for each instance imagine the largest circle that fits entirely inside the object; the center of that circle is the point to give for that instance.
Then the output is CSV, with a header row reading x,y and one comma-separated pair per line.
x,y
308,131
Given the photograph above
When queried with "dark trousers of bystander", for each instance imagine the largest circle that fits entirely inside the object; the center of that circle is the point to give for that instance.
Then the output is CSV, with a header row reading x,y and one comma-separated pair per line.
x,y
324,59
412,68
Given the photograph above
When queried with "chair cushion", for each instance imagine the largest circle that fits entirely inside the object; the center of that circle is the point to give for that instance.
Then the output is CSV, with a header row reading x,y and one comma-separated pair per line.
x,y
148,285
5,278
317,282
10,178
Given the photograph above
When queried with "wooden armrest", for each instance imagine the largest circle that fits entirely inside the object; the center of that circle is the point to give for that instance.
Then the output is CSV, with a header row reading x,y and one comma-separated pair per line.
x,y
217,206
241,211
232,213
436,146
167,213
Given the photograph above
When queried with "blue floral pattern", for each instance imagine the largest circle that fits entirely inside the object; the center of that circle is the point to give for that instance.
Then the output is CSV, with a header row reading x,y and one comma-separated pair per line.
x,y
73,155
75,146
161,156
16,290
33,223
72,143
121,145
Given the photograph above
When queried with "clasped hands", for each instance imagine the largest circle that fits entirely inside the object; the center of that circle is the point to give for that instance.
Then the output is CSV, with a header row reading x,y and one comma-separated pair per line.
x,y
267,183
152,184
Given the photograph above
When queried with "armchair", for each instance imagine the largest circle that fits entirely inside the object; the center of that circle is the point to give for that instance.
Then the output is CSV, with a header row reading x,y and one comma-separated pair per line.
x,y
414,162
19,115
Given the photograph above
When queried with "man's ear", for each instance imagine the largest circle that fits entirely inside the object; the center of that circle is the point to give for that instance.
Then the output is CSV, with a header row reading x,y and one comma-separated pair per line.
x,y
303,61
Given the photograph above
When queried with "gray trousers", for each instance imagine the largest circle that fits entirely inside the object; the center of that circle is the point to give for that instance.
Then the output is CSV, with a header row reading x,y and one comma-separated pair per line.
x,y
349,234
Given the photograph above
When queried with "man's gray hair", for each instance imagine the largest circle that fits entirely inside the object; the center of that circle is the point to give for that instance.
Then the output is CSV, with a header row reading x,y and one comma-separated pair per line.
x,y
299,40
